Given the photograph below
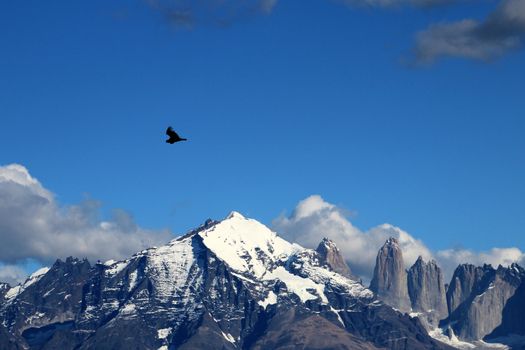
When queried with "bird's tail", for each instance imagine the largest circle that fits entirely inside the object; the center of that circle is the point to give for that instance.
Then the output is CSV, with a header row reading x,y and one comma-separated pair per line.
x,y
184,139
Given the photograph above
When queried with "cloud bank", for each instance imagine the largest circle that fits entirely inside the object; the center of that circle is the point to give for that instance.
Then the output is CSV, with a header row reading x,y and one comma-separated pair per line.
x,y
313,218
501,32
34,226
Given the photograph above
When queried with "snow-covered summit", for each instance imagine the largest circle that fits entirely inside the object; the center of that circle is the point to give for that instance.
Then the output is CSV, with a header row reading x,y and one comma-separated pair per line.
x,y
252,252
259,254
246,245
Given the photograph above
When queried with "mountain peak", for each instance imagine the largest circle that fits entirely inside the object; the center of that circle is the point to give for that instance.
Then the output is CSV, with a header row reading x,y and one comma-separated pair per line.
x,y
245,244
331,256
391,241
235,215
389,281
328,243
426,289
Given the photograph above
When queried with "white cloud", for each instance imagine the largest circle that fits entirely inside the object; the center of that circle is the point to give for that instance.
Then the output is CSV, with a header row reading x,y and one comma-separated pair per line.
x,y
33,225
12,274
449,259
18,174
314,218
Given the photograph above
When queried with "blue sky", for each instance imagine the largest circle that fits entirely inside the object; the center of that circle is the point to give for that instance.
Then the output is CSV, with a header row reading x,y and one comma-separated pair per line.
x,y
314,97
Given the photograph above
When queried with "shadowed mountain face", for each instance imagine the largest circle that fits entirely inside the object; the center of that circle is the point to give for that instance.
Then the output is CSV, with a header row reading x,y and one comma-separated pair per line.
x,y
513,316
463,283
301,329
390,279
232,284
484,296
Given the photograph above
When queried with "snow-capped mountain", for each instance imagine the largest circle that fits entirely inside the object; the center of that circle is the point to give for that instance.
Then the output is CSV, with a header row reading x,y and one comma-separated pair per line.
x,y
232,284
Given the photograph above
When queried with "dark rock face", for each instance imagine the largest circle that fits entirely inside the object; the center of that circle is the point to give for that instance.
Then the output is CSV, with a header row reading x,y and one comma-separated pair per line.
x,y
465,277
51,298
301,328
330,255
481,310
187,295
513,317
390,279
7,340
426,288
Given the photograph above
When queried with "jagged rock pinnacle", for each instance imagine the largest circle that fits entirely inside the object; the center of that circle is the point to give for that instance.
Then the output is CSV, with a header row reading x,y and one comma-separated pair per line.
x,y
390,279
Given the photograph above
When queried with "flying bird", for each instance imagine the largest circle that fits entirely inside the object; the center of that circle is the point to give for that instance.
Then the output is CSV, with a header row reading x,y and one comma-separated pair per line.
x,y
173,136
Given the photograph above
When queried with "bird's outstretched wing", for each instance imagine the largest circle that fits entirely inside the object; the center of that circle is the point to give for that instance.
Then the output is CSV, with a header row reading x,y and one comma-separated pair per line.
x,y
171,133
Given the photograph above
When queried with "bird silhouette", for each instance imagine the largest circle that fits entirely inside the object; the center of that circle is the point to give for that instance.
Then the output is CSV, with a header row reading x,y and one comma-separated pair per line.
x,y
173,136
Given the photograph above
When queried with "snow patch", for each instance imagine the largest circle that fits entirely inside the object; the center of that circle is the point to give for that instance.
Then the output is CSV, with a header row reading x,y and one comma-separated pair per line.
x,y
115,267
49,292
163,333
170,268
132,280
453,341
35,317
338,316
13,292
128,309
271,299
228,337
302,287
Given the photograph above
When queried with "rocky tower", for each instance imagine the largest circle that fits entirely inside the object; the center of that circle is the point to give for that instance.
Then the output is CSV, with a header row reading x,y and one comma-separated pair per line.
x,y
482,310
330,255
390,279
465,277
426,289
512,315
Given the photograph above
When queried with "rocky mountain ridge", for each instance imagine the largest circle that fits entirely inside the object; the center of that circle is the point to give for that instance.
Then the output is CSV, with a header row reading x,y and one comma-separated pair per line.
x,y
232,284
481,304
235,284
